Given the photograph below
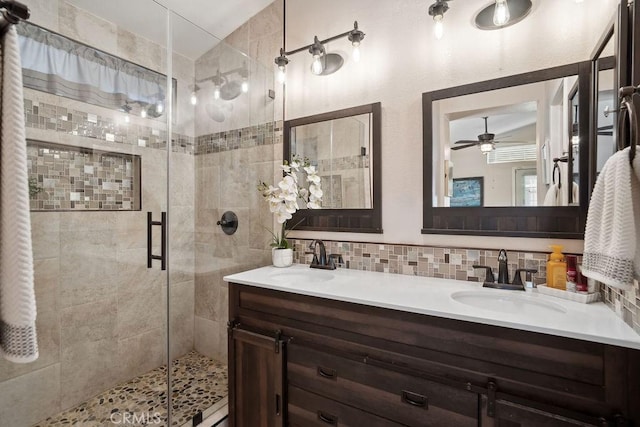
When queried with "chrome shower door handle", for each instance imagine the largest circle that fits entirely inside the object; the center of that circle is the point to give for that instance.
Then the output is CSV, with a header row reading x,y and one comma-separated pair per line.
x,y
163,237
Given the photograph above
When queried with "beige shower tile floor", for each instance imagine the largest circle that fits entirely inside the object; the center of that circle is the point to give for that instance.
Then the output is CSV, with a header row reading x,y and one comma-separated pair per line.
x,y
199,385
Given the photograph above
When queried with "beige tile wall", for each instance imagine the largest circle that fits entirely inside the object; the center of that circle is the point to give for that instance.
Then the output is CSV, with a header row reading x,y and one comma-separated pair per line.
x,y
232,157
228,181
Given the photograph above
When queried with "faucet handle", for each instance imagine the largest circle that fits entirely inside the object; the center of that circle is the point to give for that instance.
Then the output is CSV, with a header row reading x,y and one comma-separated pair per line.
x,y
336,259
517,280
489,273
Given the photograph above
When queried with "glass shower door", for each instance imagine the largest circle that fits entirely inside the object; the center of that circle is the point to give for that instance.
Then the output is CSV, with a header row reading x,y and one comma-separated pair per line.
x,y
98,132
224,144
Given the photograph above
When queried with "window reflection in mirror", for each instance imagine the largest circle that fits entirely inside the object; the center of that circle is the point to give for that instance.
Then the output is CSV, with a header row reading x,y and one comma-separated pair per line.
x,y
341,151
526,128
605,106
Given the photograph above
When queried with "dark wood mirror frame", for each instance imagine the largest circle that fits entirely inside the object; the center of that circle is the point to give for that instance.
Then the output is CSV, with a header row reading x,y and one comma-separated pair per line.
x,y
347,220
565,222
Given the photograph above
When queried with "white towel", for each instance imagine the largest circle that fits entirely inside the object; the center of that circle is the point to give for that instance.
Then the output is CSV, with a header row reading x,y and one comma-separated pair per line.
x,y
557,197
611,252
18,341
551,199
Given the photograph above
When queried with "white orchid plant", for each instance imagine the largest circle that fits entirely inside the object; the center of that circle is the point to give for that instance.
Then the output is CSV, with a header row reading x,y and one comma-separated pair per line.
x,y
284,198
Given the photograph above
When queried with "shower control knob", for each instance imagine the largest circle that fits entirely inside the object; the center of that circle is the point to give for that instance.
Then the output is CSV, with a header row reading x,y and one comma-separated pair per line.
x,y
228,222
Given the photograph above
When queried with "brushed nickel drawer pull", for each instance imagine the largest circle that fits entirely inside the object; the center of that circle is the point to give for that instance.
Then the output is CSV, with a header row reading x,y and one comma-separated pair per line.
x,y
329,419
327,373
415,399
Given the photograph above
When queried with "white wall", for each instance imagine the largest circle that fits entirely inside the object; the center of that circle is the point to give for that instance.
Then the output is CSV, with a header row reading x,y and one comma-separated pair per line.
x,y
401,59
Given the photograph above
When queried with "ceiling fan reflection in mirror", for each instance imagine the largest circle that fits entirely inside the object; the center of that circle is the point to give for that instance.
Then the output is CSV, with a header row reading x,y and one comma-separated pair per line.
x,y
485,141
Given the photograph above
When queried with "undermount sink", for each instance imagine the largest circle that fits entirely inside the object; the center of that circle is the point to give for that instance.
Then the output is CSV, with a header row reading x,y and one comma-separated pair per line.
x,y
508,302
297,276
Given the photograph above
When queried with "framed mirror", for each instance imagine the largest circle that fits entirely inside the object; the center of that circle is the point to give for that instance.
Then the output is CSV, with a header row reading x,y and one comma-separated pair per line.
x,y
524,136
344,146
605,103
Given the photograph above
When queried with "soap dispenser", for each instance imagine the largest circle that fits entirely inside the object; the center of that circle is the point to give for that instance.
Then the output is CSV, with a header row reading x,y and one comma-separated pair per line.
x,y
557,269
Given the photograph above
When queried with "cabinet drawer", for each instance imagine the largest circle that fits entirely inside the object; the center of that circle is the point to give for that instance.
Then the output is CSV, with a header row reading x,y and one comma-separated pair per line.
x,y
408,400
308,409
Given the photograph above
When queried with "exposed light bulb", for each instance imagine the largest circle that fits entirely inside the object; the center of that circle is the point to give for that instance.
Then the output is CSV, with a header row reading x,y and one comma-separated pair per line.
x,y
438,28
282,76
143,113
486,147
356,51
194,98
316,67
216,92
501,13
245,86
575,140
127,119
159,108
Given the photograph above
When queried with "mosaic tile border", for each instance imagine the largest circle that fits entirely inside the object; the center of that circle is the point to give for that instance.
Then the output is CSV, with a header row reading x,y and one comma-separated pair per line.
x,y
40,115
252,136
456,263
344,163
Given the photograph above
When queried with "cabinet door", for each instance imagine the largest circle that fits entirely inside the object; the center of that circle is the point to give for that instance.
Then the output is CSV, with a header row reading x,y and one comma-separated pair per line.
x,y
510,414
256,379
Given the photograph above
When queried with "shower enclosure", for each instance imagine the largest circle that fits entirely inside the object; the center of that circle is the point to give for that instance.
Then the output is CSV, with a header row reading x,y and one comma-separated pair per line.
x,y
143,129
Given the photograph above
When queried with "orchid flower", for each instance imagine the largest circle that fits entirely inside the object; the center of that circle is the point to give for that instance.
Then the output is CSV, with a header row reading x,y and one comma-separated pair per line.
x,y
283,198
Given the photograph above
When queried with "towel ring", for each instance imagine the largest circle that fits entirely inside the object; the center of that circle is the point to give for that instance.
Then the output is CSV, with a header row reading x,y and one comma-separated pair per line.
x,y
629,104
556,167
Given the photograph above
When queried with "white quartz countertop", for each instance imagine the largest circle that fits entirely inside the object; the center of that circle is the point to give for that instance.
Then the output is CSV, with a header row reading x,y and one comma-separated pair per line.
x,y
452,299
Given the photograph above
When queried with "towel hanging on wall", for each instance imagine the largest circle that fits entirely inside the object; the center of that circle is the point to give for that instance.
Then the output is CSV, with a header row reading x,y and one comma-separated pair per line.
x,y
612,236
18,340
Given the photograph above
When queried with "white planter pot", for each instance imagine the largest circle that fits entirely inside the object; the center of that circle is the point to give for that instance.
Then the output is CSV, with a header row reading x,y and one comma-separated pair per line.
x,y
282,257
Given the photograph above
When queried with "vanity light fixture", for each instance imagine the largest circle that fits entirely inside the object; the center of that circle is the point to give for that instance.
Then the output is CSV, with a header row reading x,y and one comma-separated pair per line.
x,y
194,96
355,37
437,11
218,81
575,129
227,85
317,51
281,62
323,63
501,13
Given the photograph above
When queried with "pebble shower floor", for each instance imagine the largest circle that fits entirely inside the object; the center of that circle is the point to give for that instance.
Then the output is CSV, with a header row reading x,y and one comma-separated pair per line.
x,y
199,384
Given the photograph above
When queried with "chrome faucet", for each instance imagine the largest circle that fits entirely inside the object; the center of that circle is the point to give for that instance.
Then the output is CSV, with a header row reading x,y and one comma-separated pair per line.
x,y
320,260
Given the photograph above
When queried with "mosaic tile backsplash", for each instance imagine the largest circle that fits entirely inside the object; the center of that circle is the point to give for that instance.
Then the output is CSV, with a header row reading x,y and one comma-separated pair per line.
x,y
453,263
446,263
626,304
69,178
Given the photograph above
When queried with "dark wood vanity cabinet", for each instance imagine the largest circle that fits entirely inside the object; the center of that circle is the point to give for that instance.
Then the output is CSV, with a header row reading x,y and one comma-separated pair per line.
x,y
347,364
256,379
